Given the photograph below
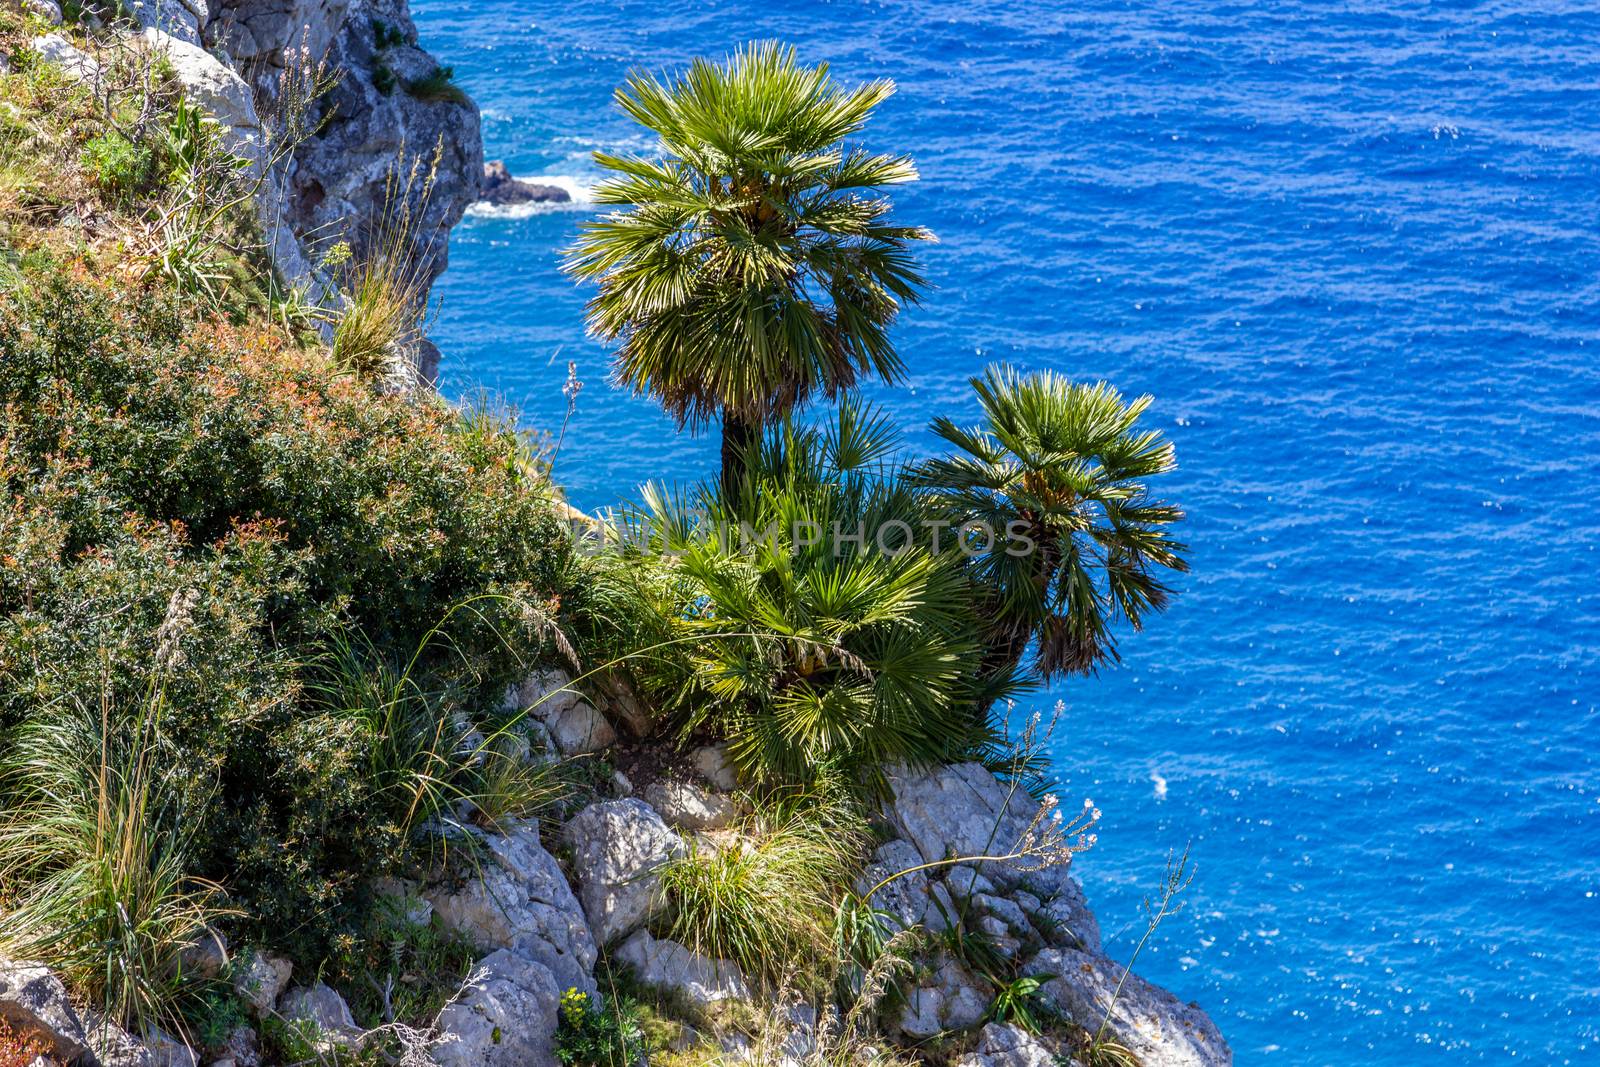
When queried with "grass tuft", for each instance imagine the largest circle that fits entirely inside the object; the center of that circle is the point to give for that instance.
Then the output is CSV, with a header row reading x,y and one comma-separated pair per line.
x,y
386,288
438,88
767,900
94,853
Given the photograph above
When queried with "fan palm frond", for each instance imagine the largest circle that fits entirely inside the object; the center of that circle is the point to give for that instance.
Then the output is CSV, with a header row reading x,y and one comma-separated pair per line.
x,y
752,264
1061,467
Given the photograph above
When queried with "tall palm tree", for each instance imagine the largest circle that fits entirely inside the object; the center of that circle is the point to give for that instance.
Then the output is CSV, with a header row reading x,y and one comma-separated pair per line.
x,y
753,264
1057,474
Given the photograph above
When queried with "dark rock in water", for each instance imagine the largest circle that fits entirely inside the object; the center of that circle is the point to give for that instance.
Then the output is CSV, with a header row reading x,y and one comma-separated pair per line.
x,y
500,188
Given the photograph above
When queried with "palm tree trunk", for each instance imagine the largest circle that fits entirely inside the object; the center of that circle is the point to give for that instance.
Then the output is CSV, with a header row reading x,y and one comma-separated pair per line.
x,y
1009,637
739,437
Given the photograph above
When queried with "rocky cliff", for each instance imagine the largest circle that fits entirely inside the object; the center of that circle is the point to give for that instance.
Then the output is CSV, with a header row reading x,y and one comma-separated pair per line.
x,y
393,108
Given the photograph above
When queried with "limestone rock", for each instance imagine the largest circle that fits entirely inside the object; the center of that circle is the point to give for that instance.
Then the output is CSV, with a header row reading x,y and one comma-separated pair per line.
x,y
164,1050
712,763
337,185
905,898
574,725
1067,912
259,32
581,729
321,1005
966,1000
965,881
953,1000
963,810
1160,1029
920,1016
618,844
686,806
1007,913
56,49
240,1049
501,188
181,19
521,901
1003,1045
112,1046
505,1017
48,10
205,957
33,1001
621,702
960,810
214,86
259,979
667,965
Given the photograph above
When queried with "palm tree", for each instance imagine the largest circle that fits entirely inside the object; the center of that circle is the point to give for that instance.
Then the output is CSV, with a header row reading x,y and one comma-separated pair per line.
x,y
1056,473
753,264
826,634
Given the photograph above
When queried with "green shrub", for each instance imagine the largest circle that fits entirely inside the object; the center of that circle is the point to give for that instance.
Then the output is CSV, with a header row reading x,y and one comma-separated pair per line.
x,y
592,1033
395,970
386,35
121,169
194,494
768,901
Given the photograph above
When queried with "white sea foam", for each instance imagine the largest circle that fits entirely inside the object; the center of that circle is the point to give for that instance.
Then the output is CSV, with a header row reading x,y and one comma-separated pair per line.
x,y
582,196
1161,785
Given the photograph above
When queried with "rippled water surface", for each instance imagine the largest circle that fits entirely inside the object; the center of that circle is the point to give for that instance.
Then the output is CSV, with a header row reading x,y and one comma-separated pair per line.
x,y
1352,250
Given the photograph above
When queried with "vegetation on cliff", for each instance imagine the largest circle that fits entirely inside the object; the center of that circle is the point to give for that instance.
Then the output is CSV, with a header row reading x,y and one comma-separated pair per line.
x,y
267,624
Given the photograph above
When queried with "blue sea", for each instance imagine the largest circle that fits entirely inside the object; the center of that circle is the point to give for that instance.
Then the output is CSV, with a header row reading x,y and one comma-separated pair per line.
x,y
1353,250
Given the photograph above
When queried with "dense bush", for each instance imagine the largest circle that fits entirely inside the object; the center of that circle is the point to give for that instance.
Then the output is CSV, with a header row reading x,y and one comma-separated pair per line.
x,y
198,509
593,1033
817,626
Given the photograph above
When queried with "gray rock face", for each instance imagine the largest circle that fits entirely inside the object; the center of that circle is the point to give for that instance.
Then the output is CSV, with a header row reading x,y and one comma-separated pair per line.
x,y
506,1016
963,810
1003,1045
712,763
319,1004
56,49
241,1049
520,901
619,699
33,1001
686,806
905,898
213,85
48,10
501,188
574,726
378,126
953,1000
258,32
618,844
184,20
259,979
667,965
1160,1029
164,1050
206,956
